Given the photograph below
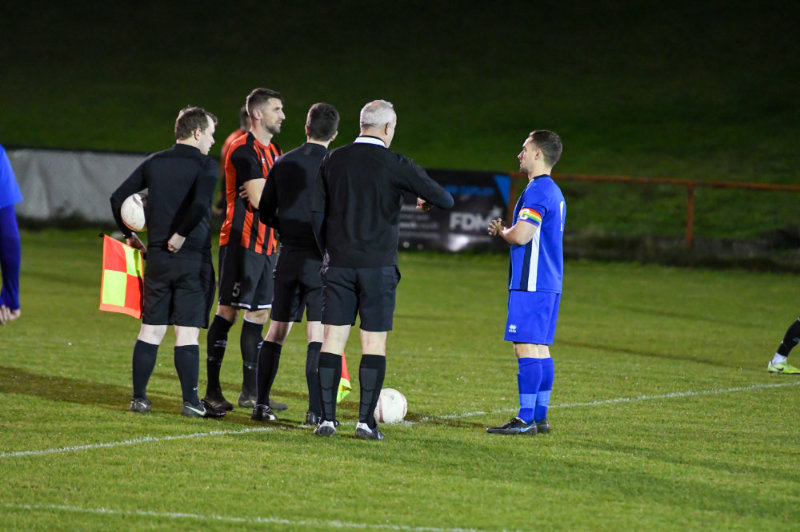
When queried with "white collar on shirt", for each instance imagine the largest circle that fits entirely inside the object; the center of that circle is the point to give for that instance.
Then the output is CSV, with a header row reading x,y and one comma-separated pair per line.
x,y
369,140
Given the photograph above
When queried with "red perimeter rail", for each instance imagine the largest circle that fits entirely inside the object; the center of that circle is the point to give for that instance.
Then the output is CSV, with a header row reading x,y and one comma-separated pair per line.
x,y
690,186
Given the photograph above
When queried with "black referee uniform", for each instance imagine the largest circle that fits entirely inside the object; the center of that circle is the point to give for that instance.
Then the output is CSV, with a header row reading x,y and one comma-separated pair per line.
x,y
356,212
286,206
178,287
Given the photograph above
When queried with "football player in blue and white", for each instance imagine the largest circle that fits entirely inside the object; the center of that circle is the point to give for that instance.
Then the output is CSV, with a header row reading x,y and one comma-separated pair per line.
x,y
535,279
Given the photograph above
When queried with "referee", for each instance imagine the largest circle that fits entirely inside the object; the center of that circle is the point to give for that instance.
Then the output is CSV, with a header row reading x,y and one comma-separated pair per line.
x,y
179,278
356,211
285,205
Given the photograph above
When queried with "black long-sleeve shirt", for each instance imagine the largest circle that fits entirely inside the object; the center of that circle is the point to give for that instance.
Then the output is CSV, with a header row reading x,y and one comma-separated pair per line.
x,y
357,202
288,191
180,182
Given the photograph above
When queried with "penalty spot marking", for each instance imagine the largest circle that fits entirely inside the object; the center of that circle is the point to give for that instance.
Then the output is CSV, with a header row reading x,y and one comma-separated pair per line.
x,y
151,439
228,519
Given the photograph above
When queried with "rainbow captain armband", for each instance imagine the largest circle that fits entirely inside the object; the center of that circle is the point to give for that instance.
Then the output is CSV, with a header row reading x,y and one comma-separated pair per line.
x,y
531,216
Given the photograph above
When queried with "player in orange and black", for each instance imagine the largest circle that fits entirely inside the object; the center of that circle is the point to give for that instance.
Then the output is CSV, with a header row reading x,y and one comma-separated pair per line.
x,y
247,249
244,127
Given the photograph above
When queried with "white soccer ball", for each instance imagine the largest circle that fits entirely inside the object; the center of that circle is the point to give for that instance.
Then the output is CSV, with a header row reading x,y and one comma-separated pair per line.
x,y
132,212
391,407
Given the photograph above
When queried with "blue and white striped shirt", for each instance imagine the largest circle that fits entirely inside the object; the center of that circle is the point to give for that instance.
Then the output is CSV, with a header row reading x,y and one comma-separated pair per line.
x,y
538,266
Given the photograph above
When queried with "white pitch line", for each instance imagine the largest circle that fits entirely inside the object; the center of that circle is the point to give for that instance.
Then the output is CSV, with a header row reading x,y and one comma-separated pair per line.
x,y
673,395
150,439
146,439
229,519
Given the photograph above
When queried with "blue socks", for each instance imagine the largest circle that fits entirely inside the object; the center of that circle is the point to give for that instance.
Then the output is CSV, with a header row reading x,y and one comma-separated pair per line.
x,y
528,381
545,387
10,257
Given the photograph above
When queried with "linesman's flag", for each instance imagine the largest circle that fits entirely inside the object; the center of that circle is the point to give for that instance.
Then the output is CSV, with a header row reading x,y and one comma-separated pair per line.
x,y
123,277
344,382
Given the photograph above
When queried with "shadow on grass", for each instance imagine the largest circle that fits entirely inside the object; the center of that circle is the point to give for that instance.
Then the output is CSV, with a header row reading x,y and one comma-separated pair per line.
x,y
21,381
683,316
650,354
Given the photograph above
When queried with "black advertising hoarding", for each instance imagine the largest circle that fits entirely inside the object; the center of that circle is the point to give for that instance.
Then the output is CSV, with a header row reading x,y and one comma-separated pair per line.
x,y
479,198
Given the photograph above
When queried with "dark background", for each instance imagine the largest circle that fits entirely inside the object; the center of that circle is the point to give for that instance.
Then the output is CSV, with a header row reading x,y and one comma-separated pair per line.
x,y
707,91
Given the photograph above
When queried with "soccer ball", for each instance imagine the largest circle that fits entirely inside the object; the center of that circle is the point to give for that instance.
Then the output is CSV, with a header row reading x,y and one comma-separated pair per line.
x,y
391,407
132,212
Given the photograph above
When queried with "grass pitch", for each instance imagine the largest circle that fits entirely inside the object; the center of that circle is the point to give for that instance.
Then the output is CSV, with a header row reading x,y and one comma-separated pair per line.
x,y
663,414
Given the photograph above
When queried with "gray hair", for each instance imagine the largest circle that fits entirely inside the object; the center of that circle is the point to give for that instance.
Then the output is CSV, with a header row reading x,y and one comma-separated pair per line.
x,y
377,113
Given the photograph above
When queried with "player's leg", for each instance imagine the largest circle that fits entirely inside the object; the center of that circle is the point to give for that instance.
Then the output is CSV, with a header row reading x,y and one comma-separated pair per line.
x,y
256,297
189,313
528,326
285,304
145,352
779,362
187,365
548,368
269,356
311,302
330,373
371,373
225,317
315,332
10,259
155,316
216,343
339,304
377,289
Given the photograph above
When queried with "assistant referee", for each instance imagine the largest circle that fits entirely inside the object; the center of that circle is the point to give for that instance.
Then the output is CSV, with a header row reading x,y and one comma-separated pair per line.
x,y
179,278
356,212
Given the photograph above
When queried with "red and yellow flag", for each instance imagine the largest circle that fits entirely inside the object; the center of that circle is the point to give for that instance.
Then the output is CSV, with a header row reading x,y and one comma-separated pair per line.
x,y
344,382
123,277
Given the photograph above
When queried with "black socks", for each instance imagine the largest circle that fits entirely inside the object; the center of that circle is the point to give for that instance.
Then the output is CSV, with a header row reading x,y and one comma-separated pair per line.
x,y
269,357
144,360
217,341
330,372
250,342
370,375
187,364
791,339
312,378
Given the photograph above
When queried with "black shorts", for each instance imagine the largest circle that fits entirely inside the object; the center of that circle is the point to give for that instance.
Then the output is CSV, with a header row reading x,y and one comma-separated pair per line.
x,y
178,289
298,286
245,278
368,292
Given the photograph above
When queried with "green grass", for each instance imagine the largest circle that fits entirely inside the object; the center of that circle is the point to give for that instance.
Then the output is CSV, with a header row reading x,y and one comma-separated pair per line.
x,y
664,416
636,88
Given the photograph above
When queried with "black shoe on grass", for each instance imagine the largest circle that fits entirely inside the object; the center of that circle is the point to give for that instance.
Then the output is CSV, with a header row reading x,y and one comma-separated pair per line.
x,y
246,400
312,418
363,432
277,405
218,402
212,411
141,406
202,409
514,427
542,427
326,428
263,413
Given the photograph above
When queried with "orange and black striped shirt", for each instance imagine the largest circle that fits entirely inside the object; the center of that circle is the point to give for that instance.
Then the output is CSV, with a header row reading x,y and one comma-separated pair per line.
x,y
247,159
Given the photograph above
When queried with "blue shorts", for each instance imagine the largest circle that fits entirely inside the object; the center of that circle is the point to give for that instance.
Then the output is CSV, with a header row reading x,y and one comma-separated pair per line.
x,y
532,317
